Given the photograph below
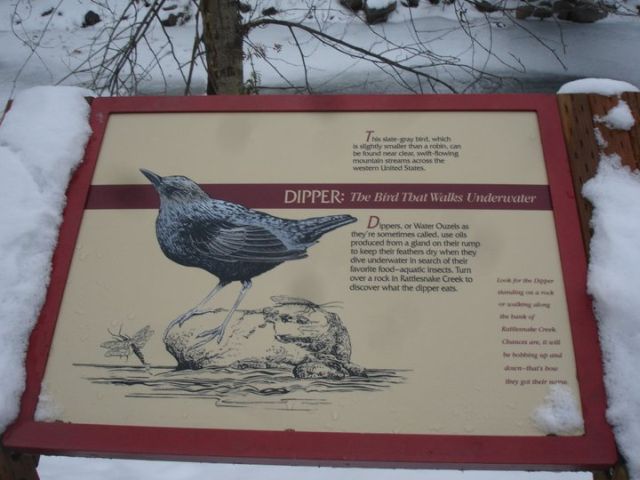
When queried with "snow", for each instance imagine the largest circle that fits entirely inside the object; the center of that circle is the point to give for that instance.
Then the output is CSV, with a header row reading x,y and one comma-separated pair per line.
x,y
614,274
599,86
527,55
59,468
47,409
619,117
379,4
42,139
492,43
602,143
560,413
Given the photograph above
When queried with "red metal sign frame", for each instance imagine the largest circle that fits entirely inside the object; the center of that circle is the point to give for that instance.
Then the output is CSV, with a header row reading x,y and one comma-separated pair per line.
x,y
593,450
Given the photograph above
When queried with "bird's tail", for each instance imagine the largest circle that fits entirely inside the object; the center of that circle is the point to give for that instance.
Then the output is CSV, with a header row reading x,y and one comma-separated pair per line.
x,y
311,229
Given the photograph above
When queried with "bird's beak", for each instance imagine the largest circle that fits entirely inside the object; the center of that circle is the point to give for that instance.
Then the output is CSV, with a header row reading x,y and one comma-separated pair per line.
x,y
153,177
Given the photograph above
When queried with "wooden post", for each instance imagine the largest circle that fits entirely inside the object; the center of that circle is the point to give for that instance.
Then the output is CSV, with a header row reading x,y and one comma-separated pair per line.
x,y
619,472
577,113
17,466
580,115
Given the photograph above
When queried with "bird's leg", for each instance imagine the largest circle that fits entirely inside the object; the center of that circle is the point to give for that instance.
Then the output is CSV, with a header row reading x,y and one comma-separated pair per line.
x,y
195,310
219,330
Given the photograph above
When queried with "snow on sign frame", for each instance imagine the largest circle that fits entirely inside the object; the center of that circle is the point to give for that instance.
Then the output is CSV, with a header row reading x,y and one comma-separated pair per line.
x,y
340,280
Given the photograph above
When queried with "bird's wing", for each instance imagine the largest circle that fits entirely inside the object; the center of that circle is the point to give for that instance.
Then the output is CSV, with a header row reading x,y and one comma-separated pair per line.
x,y
233,243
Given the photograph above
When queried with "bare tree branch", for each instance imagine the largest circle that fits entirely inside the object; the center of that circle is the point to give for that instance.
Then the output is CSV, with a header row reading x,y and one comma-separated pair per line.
x,y
304,64
33,47
123,55
335,41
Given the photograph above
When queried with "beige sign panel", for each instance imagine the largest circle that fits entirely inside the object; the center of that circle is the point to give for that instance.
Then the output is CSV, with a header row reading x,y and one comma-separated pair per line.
x,y
426,297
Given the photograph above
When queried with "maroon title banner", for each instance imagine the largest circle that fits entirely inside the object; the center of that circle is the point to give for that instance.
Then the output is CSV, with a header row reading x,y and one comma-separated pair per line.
x,y
352,196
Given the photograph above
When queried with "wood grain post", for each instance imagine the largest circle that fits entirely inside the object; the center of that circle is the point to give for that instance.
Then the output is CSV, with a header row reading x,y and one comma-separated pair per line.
x,y
581,116
17,466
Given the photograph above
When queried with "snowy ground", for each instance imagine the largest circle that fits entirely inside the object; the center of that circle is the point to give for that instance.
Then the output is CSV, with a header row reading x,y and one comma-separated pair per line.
x,y
529,55
41,50
55,468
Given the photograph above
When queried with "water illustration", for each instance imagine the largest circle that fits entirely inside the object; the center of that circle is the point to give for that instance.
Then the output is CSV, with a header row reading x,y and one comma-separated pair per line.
x,y
269,388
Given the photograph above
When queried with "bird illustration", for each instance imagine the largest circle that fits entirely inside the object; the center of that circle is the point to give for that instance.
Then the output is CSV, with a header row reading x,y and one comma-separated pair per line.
x,y
228,240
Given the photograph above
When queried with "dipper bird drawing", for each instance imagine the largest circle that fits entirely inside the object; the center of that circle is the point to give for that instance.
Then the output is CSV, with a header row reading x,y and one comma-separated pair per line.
x,y
230,241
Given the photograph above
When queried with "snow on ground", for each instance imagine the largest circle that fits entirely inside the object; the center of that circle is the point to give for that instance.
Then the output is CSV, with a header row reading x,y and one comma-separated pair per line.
x,y
614,273
521,61
529,55
59,468
42,139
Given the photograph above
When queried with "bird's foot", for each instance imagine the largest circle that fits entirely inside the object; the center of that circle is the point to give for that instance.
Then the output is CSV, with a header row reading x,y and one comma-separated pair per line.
x,y
182,318
186,316
207,336
179,321
217,332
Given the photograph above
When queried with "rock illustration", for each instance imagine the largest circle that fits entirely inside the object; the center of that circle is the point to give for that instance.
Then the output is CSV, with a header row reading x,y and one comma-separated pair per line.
x,y
306,338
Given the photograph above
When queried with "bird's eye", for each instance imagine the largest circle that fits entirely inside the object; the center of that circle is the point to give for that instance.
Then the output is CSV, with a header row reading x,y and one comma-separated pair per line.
x,y
170,189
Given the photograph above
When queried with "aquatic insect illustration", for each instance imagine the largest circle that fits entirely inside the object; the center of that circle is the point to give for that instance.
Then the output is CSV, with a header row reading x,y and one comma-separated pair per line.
x,y
284,300
123,345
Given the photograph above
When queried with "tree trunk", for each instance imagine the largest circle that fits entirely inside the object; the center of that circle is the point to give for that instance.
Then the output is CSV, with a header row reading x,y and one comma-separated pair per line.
x,y
223,37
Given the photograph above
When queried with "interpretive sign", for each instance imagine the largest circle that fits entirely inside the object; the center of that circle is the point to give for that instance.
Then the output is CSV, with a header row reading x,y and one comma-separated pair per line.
x,y
342,280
